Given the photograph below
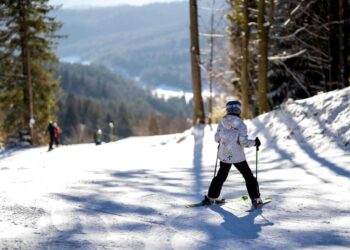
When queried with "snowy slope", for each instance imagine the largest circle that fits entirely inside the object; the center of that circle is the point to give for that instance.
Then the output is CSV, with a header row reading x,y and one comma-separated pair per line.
x,y
131,194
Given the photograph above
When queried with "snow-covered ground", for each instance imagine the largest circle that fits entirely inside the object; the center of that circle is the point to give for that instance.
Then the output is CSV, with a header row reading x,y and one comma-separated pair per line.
x,y
131,194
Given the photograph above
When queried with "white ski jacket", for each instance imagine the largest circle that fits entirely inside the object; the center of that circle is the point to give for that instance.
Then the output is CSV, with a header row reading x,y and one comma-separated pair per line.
x,y
232,136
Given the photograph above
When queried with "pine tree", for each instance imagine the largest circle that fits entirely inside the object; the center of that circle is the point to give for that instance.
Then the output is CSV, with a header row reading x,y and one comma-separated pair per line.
x,y
29,90
153,126
123,126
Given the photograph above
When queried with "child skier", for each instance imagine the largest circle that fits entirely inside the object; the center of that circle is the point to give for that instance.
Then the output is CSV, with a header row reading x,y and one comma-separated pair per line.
x,y
98,137
232,136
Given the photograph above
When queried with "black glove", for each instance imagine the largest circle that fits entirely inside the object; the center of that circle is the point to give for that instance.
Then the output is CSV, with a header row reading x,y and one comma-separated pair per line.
x,y
257,142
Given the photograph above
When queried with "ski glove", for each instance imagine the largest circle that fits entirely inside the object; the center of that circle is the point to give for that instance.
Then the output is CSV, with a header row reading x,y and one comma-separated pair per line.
x,y
257,142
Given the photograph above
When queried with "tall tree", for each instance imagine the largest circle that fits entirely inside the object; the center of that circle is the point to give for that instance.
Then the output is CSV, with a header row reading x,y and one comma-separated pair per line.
x,y
338,42
30,38
245,61
334,42
123,125
239,38
23,21
263,38
210,63
345,14
198,115
211,26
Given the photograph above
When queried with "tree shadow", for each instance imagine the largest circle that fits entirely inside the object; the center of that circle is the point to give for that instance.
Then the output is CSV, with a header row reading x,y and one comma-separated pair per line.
x,y
65,240
285,155
94,203
308,149
198,135
315,110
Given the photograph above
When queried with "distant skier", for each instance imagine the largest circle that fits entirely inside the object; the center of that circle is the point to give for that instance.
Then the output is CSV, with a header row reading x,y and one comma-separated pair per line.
x,y
98,137
232,137
51,130
57,133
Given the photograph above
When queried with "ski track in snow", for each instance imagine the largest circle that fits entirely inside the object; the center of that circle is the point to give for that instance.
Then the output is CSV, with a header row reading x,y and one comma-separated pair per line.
x,y
131,194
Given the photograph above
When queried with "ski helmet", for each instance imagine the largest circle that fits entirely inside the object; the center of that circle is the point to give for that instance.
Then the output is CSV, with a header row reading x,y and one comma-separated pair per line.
x,y
233,108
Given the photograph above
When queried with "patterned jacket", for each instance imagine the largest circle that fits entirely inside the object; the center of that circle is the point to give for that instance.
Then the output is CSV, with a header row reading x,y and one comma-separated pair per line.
x,y
232,136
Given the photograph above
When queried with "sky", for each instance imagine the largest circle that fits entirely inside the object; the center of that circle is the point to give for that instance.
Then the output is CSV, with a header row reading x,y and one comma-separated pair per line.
x,y
104,3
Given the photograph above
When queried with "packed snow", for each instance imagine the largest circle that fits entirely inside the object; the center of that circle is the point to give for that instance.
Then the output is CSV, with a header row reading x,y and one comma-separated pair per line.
x,y
131,194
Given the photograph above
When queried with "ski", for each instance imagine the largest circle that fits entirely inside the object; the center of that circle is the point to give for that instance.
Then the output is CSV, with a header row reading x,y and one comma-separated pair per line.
x,y
220,202
265,201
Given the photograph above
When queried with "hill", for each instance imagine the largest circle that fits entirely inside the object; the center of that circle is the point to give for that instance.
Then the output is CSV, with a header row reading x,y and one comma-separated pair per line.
x,y
94,97
150,42
131,194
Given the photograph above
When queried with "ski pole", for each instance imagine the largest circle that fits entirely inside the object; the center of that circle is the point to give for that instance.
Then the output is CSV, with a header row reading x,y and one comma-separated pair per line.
x,y
216,161
256,160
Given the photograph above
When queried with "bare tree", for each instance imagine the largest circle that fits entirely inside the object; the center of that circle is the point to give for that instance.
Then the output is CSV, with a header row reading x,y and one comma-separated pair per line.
x,y
245,62
338,42
198,116
210,63
211,26
263,38
239,34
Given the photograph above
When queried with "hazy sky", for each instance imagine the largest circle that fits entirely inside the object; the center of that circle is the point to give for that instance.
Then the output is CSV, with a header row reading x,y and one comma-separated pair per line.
x,y
102,3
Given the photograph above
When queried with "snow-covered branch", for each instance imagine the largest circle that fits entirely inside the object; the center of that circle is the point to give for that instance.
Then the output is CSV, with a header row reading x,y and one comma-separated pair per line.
x,y
292,13
312,47
285,57
211,35
290,35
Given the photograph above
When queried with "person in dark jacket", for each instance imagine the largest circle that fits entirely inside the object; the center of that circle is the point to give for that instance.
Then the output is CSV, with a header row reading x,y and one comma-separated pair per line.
x,y
232,137
51,130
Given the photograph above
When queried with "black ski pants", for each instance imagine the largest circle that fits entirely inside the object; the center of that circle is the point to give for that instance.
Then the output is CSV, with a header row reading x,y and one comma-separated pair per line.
x,y
243,167
52,140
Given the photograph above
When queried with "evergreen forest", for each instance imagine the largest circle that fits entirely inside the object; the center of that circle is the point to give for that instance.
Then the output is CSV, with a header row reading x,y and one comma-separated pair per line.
x,y
96,98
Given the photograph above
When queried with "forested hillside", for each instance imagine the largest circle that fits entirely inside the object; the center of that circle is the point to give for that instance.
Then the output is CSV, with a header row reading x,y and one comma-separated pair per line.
x,y
94,97
150,42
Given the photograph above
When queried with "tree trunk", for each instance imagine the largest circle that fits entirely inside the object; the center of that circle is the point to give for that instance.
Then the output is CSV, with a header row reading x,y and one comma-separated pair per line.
x,y
334,43
262,58
342,56
198,107
344,41
210,65
26,70
245,63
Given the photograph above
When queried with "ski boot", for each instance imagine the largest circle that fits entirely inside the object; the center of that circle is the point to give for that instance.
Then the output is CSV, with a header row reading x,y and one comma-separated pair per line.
x,y
256,203
210,201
